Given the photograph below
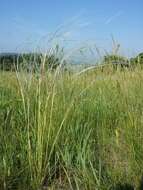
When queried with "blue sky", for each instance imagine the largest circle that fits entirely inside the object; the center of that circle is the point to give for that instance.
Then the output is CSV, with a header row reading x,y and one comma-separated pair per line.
x,y
24,23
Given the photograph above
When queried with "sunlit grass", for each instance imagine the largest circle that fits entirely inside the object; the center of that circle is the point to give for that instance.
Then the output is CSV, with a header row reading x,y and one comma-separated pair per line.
x,y
71,131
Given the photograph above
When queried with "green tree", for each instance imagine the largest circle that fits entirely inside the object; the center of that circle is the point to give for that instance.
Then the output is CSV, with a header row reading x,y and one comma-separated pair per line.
x,y
137,60
115,59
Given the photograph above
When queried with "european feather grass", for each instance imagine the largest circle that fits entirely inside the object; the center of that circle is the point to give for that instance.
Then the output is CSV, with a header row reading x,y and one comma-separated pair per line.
x,y
71,131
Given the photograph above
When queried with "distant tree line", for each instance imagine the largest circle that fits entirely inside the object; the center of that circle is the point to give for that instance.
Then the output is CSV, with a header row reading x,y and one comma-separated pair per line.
x,y
36,61
117,60
29,61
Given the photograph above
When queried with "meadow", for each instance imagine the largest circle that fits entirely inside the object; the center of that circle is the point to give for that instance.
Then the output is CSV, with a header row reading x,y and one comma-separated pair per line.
x,y
78,131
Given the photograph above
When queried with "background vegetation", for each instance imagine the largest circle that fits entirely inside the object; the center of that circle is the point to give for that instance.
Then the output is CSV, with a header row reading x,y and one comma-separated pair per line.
x,y
33,61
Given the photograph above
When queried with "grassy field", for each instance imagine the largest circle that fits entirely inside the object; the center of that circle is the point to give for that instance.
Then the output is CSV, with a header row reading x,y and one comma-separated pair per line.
x,y
62,131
